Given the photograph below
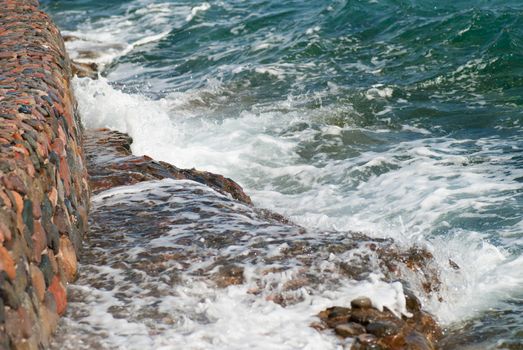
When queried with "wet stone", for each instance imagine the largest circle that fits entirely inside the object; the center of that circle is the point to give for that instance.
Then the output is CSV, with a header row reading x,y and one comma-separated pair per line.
x,y
374,329
9,295
2,312
111,164
412,302
382,328
7,263
364,316
229,275
27,215
82,70
47,269
25,109
21,281
38,282
416,341
53,238
350,329
361,303
59,294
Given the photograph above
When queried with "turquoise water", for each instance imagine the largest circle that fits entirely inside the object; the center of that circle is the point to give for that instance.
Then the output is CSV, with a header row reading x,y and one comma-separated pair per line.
x,y
399,118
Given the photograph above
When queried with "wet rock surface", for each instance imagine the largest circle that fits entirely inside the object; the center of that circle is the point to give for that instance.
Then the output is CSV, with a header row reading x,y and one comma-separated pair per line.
x,y
84,70
374,329
155,240
111,163
43,182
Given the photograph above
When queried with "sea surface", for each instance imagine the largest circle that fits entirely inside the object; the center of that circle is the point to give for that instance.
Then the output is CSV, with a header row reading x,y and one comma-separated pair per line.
x,y
400,119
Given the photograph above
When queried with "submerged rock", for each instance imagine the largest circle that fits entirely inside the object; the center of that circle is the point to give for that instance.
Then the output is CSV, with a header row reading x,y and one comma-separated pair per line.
x,y
84,70
159,235
374,329
111,163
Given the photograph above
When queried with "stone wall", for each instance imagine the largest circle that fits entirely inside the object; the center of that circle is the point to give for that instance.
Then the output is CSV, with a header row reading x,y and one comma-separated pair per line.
x,y
44,192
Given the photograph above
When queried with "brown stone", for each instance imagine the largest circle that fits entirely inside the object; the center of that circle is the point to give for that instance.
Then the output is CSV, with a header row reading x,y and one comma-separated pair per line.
x,y
37,209
59,293
60,219
13,182
229,275
37,281
5,232
48,316
111,164
367,338
67,258
13,325
361,303
350,329
7,263
39,241
5,199
383,328
53,196
53,261
19,205
376,329
335,316
416,341
83,70
412,302
25,322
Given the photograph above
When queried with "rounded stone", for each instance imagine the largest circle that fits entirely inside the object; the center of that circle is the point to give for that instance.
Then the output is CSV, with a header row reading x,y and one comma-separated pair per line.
x,y
350,329
38,282
382,328
7,263
361,303
67,258
367,338
60,295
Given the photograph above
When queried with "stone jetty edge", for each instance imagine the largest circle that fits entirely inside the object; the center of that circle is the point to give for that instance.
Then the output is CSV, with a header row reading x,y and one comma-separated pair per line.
x,y
44,191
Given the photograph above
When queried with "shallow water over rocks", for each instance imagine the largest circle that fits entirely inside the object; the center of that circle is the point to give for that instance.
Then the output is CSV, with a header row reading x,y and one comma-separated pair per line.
x,y
165,257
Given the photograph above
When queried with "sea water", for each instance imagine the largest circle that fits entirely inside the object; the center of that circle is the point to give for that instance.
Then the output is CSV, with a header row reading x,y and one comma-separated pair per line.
x,y
399,119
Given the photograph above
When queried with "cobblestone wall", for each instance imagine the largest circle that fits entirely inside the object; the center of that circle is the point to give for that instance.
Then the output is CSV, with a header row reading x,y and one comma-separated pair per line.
x,y
43,182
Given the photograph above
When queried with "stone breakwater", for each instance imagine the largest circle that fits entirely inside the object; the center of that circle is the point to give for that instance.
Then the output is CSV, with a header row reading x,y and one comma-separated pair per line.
x,y
44,193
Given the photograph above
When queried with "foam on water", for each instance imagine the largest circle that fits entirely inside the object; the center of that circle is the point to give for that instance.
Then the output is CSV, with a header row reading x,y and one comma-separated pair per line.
x,y
330,153
411,191
136,300
195,10
107,39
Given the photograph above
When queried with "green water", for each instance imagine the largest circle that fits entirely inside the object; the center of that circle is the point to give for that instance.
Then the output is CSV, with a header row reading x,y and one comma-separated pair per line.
x,y
403,118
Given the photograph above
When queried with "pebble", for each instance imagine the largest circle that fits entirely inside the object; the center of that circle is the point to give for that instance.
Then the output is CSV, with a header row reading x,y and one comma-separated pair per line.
x,y
374,329
382,328
349,329
367,338
59,293
361,303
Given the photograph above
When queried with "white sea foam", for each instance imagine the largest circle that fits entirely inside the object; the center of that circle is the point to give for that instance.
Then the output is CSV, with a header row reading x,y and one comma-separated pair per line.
x,y
193,312
379,91
106,39
409,192
419,191
197,9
